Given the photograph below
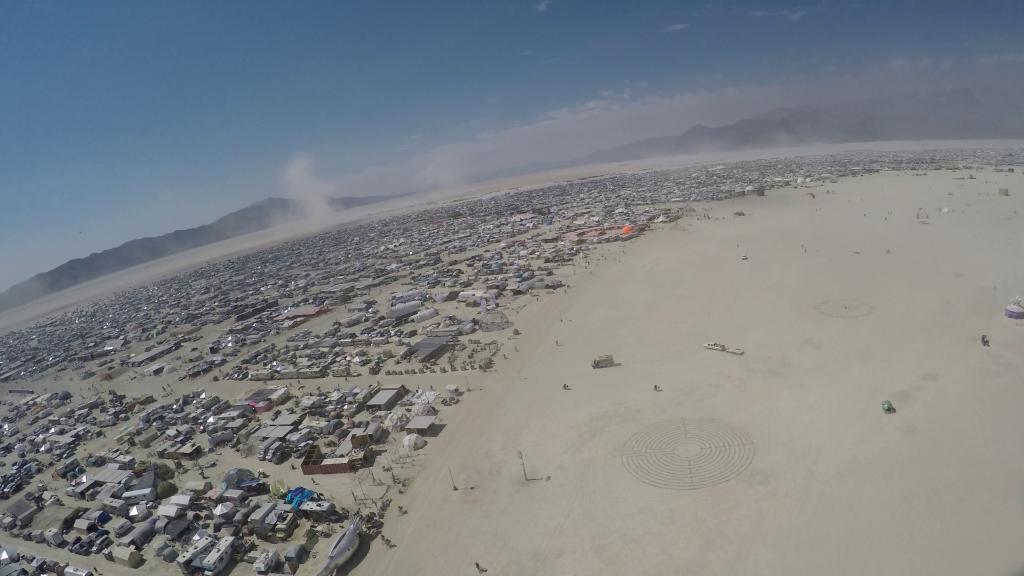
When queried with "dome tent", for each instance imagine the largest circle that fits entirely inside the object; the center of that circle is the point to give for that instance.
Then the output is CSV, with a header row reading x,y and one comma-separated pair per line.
x,y
235,477
413,442
494,320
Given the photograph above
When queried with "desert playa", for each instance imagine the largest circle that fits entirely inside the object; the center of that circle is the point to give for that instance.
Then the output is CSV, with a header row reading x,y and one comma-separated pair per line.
x,y
864,429
779,461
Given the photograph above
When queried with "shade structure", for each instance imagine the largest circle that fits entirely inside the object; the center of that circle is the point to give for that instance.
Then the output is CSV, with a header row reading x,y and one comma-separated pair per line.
x,y
1015,311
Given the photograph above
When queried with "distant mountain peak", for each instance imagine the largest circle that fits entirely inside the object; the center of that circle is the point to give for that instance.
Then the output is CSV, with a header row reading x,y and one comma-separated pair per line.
x,y
257,216
942,114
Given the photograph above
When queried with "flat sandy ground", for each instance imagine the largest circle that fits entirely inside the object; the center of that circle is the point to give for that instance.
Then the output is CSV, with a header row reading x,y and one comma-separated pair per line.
x,y
786,463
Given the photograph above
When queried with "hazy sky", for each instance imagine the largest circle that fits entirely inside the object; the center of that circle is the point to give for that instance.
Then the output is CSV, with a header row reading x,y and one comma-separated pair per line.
x,y
126,119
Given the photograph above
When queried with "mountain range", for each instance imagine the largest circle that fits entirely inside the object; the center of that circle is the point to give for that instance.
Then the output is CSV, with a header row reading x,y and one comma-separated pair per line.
x,y
939,115
253,218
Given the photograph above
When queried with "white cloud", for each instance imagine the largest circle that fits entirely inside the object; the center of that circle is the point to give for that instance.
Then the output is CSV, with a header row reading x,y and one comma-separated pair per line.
x,y
409,143
793,15
679,27
1011,57
543,6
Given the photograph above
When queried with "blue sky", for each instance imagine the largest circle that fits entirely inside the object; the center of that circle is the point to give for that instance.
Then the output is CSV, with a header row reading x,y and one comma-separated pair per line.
x,y
125,119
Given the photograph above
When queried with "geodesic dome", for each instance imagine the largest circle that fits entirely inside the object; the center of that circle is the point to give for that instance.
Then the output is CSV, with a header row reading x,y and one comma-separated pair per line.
x,y
494,320
413,442
235,477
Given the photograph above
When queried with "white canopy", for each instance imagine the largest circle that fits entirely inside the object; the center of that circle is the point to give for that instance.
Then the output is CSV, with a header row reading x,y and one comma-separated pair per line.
x,y
395,421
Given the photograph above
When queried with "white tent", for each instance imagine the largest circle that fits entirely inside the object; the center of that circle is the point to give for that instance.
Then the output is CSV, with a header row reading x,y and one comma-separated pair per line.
x,y
413,442
9,556
223,509
395,421
424,410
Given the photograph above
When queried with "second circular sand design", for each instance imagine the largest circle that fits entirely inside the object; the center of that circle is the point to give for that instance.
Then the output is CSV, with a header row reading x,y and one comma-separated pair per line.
x,y
844,308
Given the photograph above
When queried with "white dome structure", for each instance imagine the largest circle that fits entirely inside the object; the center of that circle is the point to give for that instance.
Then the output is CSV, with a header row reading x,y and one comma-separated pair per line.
x,y
413,442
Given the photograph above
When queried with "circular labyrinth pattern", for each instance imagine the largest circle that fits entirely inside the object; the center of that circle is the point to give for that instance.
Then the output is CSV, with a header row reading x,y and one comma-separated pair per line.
x,y
845,308
688,454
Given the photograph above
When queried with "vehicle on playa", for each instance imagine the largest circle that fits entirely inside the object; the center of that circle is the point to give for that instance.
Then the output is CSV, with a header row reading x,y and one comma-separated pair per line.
x,y
723,348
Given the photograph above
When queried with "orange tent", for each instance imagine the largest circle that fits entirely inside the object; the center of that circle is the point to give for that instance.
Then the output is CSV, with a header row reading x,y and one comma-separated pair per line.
x,y
627,229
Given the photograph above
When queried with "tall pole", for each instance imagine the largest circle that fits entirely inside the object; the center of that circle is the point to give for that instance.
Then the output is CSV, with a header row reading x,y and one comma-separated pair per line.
x,y
452,476
523,462
360,483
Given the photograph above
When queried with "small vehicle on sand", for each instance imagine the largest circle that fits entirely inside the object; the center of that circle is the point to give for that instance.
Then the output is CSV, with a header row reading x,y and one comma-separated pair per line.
x,y
723,348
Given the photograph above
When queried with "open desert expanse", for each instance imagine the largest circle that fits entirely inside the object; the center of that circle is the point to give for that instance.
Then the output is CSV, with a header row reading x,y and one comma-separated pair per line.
x,y
679,459
780,461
